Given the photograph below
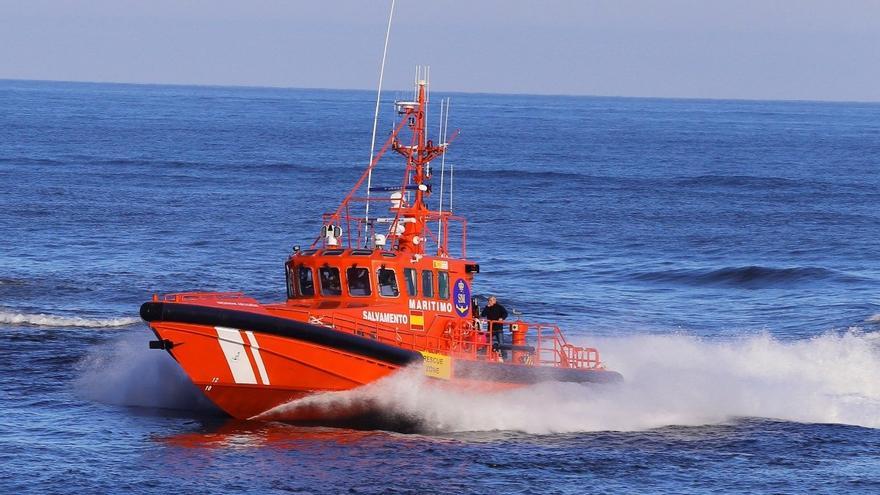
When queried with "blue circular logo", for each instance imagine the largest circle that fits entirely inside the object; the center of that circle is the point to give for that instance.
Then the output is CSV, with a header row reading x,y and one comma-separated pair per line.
x,y
461,295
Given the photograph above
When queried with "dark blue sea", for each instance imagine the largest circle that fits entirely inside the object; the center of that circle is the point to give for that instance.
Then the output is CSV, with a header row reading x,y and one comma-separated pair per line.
x,y
723,255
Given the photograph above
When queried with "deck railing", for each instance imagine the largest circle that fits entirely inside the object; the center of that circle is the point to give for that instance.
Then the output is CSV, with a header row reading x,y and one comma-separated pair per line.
x,y
544,344
532,344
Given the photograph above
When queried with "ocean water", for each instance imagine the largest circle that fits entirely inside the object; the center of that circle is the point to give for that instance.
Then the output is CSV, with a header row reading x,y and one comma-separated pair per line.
x,y
723,256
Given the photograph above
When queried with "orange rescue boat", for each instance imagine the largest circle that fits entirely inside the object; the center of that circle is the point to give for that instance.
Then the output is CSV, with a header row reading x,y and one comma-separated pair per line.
x,y
370,296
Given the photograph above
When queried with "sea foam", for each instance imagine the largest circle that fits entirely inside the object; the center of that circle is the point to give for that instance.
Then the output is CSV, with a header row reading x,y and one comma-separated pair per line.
x,y
45,320
669,380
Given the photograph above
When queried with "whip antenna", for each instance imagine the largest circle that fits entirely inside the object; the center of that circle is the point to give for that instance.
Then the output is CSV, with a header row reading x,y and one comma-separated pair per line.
x,y
375,124
444,125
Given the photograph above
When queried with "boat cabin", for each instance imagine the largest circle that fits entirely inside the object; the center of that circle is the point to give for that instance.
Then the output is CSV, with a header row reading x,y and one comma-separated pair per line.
x,y
403,291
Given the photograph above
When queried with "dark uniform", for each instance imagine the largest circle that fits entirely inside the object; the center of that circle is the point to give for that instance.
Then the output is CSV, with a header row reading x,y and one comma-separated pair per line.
x,y
495,312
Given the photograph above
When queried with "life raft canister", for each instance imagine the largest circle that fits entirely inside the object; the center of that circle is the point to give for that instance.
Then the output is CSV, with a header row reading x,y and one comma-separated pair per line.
x,y
518,331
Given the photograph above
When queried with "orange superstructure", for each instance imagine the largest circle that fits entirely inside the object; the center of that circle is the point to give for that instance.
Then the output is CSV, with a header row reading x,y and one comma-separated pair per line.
x,y
371,294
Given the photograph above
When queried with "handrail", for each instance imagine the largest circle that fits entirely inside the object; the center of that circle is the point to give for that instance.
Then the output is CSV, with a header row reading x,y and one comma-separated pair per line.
x,y
192,296
468,340
357,224
544,343
551,347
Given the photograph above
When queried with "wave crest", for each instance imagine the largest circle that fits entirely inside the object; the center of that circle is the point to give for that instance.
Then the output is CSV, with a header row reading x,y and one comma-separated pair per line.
x,y
44,320
744,276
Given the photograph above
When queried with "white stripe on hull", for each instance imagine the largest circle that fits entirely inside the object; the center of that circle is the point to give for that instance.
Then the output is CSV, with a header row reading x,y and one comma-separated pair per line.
x,y
233,348
255,349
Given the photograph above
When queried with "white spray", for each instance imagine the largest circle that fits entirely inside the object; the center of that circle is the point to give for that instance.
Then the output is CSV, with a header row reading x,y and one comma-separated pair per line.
x,y
126,372
670,380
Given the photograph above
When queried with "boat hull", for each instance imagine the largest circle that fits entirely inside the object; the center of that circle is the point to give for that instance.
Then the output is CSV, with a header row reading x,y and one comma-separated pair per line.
x,y
248,361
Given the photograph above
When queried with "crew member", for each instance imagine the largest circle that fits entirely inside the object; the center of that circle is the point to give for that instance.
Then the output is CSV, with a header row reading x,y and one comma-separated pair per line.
x,y
495,312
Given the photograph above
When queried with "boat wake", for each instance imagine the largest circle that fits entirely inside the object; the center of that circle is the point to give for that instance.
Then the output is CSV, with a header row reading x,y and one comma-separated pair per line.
x,y
44,320
669,380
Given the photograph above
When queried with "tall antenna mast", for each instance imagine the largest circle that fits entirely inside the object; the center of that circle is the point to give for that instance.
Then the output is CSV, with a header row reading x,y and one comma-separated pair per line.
x,y
376,123
427,95
444,126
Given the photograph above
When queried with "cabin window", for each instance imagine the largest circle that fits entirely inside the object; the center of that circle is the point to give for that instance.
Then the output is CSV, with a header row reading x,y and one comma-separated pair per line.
x,y
387,283
427,283
288,275
412,284
330,283
306,283
358,281
443,285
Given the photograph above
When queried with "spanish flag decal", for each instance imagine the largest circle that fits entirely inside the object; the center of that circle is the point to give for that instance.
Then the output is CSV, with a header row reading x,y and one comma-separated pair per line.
x,y
417,320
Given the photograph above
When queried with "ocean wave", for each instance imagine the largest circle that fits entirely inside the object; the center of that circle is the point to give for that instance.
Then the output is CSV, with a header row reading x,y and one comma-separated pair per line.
x,y
23,160
213,166
44,320
744,276
173,164
738,181
669,380
532,175
873,318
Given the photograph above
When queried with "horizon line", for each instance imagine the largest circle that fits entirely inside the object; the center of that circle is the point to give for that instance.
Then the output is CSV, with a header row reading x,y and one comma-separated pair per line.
x,y
490,93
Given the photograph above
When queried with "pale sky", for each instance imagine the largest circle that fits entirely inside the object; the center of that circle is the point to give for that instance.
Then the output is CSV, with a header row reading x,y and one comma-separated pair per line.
x,y
755,49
